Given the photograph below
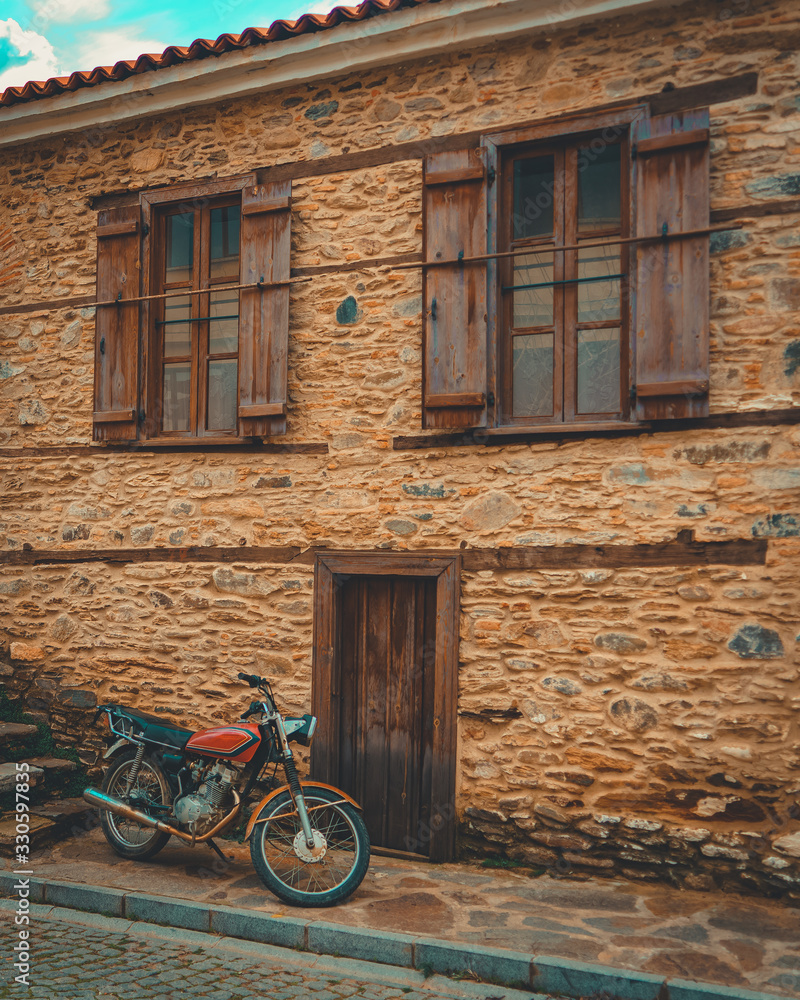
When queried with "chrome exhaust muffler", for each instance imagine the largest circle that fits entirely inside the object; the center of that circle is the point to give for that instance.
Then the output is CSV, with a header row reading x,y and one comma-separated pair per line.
x,y
120,808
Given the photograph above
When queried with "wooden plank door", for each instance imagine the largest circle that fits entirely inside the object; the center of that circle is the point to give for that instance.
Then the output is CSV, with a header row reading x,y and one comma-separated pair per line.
x,y
387,635
385,690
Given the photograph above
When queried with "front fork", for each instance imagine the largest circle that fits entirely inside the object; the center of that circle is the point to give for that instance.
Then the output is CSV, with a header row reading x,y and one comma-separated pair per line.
x,y
290,768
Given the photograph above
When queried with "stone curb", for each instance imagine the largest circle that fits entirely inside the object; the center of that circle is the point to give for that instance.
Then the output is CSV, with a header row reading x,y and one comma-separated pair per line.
x,y
544,974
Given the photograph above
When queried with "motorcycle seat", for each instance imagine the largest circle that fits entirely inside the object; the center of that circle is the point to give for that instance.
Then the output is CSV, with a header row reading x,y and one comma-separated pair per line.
x,y
157,729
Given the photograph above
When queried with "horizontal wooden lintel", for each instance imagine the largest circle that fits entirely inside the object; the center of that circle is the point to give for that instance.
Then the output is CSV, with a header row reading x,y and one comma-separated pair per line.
x,y
202,445
681,552
697,95
499,436
675,140
737,552
678,387
262,410
113,416
437,400
589,427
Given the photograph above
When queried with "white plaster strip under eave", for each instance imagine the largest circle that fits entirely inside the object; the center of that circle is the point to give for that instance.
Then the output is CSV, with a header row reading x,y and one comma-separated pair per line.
x,y
413,33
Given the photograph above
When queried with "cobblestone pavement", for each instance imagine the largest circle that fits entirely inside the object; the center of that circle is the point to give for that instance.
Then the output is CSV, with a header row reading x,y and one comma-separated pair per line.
x,y
71,961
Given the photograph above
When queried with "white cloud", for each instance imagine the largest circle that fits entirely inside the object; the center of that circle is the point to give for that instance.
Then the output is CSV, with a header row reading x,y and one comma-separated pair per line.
x,y
63,11
322,7
104,48
40,59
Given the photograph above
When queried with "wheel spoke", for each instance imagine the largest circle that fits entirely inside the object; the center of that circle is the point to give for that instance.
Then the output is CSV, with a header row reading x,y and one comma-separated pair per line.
x,y
276,839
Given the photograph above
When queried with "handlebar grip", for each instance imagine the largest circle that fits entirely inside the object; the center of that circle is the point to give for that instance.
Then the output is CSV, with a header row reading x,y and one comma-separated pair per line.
x,y
252,679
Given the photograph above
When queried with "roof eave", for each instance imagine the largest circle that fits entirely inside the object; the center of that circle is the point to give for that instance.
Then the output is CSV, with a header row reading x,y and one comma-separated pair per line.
x,y
412,33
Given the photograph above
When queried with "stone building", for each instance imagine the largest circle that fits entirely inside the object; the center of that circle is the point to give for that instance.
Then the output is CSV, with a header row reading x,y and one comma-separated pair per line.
x,y
521,524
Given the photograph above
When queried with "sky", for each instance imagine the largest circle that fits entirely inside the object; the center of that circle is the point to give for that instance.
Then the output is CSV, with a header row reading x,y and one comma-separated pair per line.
x,y
44,38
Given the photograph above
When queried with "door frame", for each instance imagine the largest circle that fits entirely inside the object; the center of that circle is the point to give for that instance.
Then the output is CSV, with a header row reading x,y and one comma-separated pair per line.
x,y
329,569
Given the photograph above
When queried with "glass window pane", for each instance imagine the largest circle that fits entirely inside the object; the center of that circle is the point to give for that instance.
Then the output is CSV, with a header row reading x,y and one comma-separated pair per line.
x,y
598,186
223,333
177,328
533,306
598,371
533,375
180,247
222,395
225,242
598,299
176,397
534,184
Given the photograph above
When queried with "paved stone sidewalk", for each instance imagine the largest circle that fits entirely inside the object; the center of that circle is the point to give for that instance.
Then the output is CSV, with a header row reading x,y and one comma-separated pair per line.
x,y
721,938
87,961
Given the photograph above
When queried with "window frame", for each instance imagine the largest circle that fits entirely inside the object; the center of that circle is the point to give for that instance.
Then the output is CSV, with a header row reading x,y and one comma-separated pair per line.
x,y
155,206
501,150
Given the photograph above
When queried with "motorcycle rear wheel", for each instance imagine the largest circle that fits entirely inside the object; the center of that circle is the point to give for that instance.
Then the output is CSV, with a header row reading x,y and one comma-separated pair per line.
x,y
277,846
128,838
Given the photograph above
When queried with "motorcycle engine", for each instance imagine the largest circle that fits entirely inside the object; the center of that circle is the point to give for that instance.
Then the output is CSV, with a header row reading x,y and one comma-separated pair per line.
x,y
200,810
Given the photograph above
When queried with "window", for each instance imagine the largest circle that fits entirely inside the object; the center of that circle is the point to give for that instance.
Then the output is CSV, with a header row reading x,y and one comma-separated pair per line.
x,y
191,338
613,327
562,350
195,329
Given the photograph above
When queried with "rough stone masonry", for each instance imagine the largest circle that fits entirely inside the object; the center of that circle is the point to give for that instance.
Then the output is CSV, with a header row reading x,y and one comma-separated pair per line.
x,y
639,721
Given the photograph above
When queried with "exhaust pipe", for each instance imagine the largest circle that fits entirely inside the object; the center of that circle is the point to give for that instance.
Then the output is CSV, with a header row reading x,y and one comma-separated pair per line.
x,y
120,808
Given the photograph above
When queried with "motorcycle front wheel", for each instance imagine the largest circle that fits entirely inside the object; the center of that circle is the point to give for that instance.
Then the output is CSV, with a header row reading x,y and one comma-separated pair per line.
x,y
324,875
128,838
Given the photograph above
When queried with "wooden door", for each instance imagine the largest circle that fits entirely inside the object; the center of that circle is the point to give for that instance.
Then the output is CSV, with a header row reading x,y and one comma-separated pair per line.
x,y
385,694
387,641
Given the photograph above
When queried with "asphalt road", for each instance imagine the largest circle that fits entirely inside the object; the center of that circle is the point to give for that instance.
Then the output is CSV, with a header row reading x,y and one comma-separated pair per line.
x,y
106,959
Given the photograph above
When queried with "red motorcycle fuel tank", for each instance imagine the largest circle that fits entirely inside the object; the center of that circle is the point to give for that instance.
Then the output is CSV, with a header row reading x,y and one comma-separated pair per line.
x,y
237,742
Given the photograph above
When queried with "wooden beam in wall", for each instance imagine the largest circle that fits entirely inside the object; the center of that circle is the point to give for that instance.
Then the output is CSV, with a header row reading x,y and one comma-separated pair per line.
x,y
684,551
499,436
669,100
160,448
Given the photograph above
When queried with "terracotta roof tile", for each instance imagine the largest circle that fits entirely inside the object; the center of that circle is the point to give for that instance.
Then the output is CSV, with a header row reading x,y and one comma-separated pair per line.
x,y
203,48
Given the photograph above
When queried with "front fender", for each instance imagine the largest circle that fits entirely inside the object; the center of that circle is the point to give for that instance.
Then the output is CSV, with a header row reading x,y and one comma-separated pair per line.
x,y
256,814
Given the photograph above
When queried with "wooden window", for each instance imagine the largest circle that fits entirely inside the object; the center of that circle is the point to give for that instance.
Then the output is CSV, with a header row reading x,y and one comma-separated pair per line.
x,y
566,274
563,330
195,342
194,338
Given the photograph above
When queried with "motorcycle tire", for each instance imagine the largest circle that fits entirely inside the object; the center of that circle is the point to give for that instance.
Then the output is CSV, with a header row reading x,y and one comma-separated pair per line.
x,y
128,838
277,846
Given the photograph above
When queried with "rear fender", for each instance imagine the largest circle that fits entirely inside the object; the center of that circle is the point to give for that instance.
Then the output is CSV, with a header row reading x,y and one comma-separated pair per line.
x,y
256,814
117,746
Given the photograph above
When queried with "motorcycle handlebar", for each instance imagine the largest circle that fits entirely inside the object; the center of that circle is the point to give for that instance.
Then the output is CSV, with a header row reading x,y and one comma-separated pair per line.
x,y
251,679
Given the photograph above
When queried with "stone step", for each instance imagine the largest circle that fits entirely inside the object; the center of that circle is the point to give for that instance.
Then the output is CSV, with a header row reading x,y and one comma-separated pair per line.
x,y
53,764
8,776
49,822
16,731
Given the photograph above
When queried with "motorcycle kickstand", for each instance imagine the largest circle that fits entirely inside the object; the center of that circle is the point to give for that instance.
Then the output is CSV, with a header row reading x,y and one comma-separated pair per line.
x,y
214,847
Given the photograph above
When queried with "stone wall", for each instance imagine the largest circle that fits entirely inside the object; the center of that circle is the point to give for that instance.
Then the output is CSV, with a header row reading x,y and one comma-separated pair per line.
x,y
645,719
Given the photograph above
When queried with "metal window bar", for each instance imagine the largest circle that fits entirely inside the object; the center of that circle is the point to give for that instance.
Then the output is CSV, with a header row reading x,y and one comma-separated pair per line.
x,y
664,236
566,281
194,319
119,301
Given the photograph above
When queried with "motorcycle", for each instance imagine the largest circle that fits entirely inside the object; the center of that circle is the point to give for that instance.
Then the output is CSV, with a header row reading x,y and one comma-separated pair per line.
x,y
308,841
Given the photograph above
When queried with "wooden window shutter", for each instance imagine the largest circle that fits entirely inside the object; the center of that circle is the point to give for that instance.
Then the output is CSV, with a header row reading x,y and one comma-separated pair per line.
x,y
671,293
264,313
454,295
116,349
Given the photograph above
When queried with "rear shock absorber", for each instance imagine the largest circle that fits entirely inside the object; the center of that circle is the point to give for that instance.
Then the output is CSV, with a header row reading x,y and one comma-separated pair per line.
x,y
133,774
